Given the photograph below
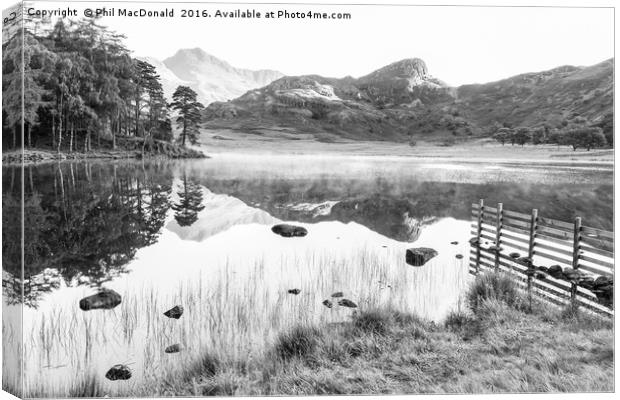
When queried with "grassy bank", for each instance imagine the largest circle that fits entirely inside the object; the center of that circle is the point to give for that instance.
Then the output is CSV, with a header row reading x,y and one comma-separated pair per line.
x,y
497,345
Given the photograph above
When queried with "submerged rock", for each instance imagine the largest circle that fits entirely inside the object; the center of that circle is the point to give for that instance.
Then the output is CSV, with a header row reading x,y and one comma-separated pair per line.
x,y
347,303
294,291
419,256
118,372
174,348
175,312
105,299
327,303
337,294
286,230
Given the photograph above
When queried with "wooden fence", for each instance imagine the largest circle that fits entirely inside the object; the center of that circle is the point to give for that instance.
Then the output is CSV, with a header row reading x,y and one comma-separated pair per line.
x,y
561,262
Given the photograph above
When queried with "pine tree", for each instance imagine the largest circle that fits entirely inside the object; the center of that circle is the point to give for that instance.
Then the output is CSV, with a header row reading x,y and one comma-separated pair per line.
x,y
190,113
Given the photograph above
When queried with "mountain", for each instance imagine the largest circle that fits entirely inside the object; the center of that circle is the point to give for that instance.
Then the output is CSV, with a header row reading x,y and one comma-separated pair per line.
x,y
169,80
214,79
550,96
402,100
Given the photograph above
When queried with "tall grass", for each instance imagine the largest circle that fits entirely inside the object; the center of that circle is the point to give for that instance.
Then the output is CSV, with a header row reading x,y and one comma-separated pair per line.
x,y
234,313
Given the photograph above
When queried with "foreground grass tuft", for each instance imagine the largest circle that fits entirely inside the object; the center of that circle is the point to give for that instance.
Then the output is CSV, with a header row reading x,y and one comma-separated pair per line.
x,y
301,341
493,286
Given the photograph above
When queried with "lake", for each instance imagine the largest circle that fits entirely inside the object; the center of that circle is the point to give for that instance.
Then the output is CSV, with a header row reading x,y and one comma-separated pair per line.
x,y
198,234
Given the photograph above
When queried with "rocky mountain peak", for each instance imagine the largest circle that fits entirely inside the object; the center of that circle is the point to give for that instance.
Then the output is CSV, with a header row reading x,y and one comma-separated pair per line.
x,y
409,68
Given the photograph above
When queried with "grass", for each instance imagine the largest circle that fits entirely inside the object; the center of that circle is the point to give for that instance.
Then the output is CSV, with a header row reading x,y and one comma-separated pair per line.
x,y
293,345
234,317
495,346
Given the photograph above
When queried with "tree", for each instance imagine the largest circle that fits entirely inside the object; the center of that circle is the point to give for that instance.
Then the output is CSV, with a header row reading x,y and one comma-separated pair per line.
x,y
522,136
585,137
539,135
557,137
503,135
189,109
189,205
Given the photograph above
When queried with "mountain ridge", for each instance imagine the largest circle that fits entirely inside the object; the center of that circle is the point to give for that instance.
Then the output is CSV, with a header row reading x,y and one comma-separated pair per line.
x,y
402,100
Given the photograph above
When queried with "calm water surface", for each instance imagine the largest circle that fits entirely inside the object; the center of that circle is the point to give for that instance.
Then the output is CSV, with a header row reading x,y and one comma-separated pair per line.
x,y
198,233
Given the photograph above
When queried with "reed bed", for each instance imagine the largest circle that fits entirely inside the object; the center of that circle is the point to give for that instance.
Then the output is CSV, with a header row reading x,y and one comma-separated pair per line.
x,y
232,314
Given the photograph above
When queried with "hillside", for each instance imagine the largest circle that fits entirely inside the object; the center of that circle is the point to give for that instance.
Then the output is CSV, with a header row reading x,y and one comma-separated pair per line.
x,y
403,100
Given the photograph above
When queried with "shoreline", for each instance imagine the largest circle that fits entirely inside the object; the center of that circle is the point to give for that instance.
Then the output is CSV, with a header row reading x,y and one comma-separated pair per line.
x,y
29,157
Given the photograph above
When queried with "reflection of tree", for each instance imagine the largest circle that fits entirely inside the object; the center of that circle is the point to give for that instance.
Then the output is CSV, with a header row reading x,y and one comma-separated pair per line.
x,y
189,205
78,227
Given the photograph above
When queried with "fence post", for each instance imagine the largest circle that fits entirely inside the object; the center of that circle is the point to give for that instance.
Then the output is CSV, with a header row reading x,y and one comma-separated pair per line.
x,y
478,233
530,252
576,249
498,233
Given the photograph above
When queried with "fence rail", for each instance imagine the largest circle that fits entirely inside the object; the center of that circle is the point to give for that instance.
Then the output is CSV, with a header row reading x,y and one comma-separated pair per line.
x,y
559,261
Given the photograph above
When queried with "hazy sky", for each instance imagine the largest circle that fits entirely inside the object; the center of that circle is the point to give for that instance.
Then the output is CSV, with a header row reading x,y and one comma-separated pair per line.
x,y
459,44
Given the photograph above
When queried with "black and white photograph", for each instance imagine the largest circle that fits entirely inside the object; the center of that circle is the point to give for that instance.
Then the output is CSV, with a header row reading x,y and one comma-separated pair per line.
x,y
307,199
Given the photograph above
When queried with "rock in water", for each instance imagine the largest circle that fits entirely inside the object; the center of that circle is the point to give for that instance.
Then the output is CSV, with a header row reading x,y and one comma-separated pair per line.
x,y
337,294
294,291
286,230
174,348
175,312
419,256
347,303
105,299
118,372
328,303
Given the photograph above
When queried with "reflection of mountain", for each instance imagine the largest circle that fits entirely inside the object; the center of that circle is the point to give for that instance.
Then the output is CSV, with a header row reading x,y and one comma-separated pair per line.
x,y
220,212
388,206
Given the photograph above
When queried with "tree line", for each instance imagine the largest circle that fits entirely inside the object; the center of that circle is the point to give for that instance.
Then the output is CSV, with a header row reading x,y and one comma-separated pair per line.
x,y
83,89
574,135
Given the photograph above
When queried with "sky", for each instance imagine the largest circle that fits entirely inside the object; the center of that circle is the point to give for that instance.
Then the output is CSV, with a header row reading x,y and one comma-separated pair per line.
x,y
460,45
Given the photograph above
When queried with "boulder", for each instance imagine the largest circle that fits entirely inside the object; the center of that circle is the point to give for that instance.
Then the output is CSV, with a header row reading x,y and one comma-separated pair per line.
x,y
174,348
347,303
327,303
474,242
286,230
603,281
555,271
419,256
294,291
118,372
586,282
175,312
337,294
106,299
459,256
571,274
454,242
540,275
514,255
524,261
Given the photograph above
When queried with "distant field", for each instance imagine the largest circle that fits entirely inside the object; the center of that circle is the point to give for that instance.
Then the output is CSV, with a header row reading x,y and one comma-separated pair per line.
x,y
282,141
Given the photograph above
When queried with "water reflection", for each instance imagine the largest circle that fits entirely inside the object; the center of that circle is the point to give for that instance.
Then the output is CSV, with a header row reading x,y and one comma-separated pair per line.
x,y
198,234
